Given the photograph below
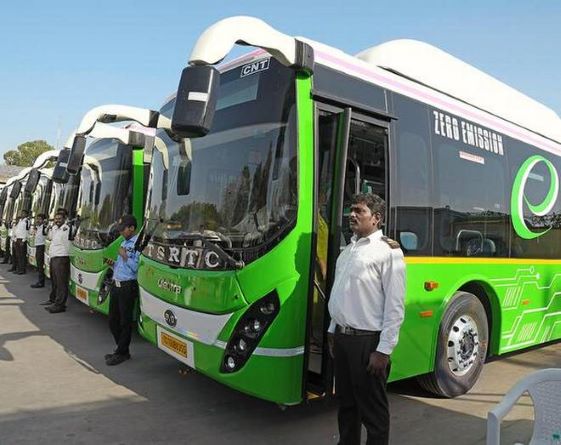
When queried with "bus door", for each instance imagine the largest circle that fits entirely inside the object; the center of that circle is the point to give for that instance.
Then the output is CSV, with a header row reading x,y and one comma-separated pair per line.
x,y
351,157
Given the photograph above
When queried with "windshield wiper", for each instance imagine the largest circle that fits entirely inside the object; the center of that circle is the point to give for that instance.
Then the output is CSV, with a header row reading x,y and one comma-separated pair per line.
x,y
73,225
144,238
222,254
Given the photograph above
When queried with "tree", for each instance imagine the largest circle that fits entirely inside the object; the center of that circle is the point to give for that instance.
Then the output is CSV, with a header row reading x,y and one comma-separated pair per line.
x,y
26,153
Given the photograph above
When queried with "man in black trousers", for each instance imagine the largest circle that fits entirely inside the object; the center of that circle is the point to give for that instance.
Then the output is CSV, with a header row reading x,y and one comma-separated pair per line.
x,y
59,251
21,233
366,308
124,292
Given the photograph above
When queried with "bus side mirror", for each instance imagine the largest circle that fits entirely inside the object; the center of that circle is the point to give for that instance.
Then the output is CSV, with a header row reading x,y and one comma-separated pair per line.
x,y
59,173
195,101
76,155
16,188
32,181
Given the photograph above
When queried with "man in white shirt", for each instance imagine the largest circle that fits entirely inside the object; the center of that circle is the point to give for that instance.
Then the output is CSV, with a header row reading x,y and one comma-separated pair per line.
x,y
40,233
59,251
21,232
367,308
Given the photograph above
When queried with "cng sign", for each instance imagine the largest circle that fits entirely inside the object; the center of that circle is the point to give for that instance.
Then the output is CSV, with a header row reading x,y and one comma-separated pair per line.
x,y
254,67
518,198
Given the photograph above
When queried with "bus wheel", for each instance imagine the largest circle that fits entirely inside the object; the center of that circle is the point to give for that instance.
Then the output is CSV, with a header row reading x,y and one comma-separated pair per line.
x,y
463,337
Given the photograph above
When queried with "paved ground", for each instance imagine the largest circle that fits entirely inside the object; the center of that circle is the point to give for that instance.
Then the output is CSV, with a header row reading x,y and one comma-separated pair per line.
x,y
56,389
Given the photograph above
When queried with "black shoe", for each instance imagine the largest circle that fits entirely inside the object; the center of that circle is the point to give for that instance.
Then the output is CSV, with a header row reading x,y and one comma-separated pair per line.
x,y
55,309
19,273
12,270
117,359
108,356
46,303
37,285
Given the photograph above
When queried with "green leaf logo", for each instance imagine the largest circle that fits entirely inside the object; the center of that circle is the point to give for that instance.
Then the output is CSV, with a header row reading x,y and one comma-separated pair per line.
x,y
518,198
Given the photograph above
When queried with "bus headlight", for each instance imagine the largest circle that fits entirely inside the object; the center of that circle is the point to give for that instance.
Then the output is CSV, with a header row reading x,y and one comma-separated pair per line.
x,y
267,308
241,345
252,327
230,363
248,332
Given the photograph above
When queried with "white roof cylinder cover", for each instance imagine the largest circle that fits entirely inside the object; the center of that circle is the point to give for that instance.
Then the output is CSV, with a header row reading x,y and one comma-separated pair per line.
x,y
439,70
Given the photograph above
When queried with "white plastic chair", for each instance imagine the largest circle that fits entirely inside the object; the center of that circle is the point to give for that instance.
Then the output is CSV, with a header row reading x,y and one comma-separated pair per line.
x,y
544,388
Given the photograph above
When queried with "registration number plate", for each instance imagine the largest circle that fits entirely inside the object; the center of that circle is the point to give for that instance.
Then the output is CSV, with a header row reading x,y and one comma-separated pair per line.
x,y
82,294
176,346
179,347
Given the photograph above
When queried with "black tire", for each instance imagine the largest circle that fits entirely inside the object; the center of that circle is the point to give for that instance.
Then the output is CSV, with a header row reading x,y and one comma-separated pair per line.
x,y
444,381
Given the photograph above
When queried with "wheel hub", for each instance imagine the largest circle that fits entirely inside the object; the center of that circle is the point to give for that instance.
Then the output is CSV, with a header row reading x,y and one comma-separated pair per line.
x,y
463,345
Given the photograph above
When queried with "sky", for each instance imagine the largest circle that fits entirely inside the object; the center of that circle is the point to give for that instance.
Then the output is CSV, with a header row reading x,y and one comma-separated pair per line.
x,y
61,58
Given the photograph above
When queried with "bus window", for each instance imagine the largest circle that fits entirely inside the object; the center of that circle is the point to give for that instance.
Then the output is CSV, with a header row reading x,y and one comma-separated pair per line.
x,y
366,165
535,191
471,215
413,177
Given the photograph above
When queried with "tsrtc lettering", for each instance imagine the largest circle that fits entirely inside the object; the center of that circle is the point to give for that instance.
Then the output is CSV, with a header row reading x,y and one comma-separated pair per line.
x,y
189,257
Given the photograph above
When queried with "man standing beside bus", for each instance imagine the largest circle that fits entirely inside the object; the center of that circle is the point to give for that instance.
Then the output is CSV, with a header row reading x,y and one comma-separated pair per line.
x,y
124,292
20,252
367,308
59,251
40,233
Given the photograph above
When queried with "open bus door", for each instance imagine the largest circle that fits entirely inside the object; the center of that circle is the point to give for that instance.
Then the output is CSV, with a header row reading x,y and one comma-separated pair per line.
x,y
351,157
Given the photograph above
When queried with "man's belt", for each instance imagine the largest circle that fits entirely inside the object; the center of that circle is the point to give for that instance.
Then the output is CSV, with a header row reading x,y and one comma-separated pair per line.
x,y
353,331
119,283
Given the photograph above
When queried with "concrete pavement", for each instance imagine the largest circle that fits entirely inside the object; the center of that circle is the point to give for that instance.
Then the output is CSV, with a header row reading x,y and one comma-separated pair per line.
x,y
56,389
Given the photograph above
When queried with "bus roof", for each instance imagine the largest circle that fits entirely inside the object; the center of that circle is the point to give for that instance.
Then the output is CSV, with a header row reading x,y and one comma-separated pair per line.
x,y
441,71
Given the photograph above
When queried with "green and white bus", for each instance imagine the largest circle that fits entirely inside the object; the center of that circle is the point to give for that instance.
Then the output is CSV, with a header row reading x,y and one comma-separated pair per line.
x,y
7,213
41,199
13,204
112,183
245,214
39,185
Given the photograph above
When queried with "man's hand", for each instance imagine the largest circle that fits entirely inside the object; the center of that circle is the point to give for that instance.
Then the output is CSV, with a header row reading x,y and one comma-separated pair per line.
x,y
331,343
123,253
378,364
108,261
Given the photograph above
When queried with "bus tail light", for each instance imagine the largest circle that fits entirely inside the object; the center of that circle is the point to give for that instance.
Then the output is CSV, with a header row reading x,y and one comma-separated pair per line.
x,y
248,332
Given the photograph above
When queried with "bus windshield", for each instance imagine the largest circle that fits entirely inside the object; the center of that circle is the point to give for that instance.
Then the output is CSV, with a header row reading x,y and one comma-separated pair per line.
x,y
237,185
41,196
8,209
105,193
22,202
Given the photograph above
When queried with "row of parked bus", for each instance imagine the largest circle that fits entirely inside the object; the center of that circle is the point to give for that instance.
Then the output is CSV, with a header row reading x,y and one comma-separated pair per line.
x,y
242,181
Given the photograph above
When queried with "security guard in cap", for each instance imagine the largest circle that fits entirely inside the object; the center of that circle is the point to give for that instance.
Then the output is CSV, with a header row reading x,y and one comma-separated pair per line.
x,y
366,307
124,292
